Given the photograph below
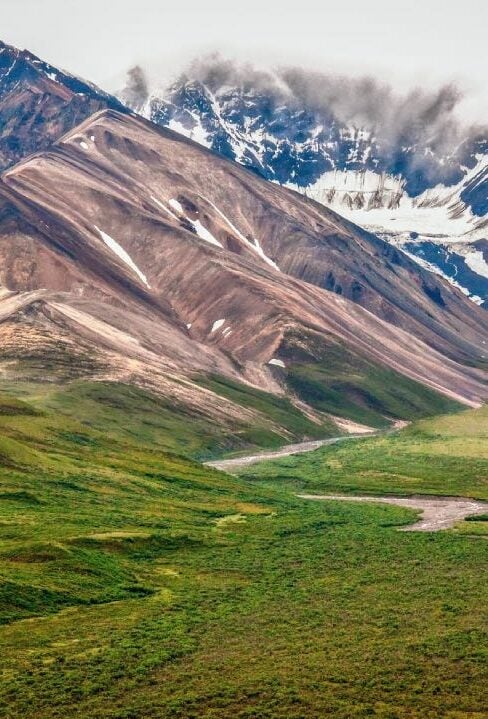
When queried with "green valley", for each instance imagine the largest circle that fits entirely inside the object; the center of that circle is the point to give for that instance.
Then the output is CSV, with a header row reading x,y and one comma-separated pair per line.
x,y
136,583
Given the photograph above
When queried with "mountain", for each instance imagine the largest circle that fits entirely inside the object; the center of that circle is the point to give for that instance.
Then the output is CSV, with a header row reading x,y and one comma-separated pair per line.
x,y
39,103
402,179
152,260
132,256
334,163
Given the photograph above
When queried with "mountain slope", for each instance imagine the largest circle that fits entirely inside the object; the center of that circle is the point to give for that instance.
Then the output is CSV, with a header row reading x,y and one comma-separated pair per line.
x,y
406,175
175,263
374,184
39,103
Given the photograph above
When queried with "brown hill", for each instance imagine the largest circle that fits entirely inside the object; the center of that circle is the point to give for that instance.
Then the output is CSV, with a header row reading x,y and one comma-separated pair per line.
x,y
156,262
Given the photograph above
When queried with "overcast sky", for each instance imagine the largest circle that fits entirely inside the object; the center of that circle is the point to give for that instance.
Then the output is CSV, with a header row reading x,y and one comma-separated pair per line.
x,y
406,43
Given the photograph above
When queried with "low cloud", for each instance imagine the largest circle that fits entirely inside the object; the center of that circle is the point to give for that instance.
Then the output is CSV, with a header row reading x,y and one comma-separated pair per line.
x,y
136,90
423,121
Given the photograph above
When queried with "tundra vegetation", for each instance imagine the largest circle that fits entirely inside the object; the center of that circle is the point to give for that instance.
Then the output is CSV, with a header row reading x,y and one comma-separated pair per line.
x,y
137,583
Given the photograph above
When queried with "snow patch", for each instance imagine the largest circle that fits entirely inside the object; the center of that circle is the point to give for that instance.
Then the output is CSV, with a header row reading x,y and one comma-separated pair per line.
x,y
176,206
476,262
379,202
200,230
122,254
204,234
217,325
199,135
163,207
277,362
196,133
177,127
255,246
188,326
261,253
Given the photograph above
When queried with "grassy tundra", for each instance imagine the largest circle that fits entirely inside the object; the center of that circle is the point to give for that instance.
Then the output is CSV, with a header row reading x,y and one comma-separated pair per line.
x,y
135,583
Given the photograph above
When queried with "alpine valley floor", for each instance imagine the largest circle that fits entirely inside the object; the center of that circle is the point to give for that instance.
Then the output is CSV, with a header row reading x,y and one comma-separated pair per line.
x,y
175,590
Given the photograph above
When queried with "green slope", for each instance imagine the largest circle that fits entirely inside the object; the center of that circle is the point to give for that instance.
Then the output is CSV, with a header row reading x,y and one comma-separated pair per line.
x,y
138,584
331,378
447,455
122,411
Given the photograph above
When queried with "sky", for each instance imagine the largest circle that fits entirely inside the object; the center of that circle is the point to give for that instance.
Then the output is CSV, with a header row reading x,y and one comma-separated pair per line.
x,y
403,43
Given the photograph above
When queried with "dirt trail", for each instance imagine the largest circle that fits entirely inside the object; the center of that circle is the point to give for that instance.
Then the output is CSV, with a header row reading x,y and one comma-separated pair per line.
x,y
437,512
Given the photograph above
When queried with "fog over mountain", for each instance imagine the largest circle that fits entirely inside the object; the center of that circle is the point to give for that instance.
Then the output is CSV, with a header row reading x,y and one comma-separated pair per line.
x,y
414,120
405,163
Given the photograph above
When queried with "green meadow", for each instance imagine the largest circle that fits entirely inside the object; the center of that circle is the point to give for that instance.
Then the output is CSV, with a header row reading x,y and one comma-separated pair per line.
x,y
136,583
442,456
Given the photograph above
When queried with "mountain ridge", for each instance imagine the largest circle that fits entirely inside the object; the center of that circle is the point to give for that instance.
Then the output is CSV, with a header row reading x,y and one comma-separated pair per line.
x,y
414,187
39,103
65,161
130,254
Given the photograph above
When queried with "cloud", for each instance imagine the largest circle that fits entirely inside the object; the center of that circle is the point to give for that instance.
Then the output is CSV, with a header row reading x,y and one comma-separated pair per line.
x,y
417,133
136,91
423,122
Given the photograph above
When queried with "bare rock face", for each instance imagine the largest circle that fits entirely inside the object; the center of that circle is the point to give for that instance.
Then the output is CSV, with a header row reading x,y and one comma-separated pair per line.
x,y
161,261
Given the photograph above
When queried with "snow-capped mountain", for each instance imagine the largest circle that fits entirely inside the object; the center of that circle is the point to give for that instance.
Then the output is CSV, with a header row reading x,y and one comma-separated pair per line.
x,y
409,186
412,180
